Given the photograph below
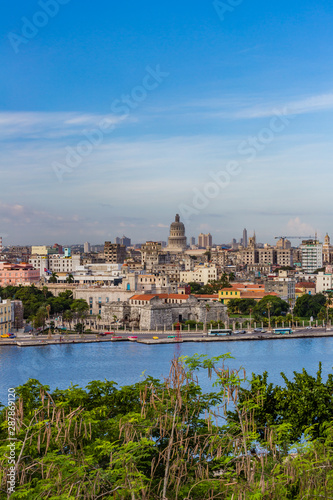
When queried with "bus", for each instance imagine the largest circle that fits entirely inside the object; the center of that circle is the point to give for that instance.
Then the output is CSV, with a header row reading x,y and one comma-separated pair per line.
x,y
283,331
226,331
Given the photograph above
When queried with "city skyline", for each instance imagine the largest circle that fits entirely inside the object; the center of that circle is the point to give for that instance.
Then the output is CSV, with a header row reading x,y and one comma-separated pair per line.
x,y
113,120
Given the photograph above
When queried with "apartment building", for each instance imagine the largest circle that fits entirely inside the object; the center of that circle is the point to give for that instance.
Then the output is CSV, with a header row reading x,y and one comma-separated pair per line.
x,y
5,316
18,274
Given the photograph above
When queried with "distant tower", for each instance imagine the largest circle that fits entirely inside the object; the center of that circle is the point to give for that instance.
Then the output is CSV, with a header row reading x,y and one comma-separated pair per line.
x,y
0,244
244,238
86,247
177,238
193,240
252,241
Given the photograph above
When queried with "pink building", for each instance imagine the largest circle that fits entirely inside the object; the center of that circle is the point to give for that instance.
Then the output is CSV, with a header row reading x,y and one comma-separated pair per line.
x,y
18,274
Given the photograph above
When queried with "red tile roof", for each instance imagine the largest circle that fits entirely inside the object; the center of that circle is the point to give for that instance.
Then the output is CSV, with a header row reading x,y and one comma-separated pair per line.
x,y
306,284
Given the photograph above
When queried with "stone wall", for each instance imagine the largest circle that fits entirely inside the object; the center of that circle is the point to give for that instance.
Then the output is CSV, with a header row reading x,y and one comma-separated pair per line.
x,y
157,314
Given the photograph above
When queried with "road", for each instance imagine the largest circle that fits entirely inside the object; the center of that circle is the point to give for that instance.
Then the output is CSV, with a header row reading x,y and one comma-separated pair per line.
x,y
29,339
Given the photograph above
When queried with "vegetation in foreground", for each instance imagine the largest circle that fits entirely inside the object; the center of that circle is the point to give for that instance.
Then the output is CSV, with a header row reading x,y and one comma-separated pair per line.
x,y
167,440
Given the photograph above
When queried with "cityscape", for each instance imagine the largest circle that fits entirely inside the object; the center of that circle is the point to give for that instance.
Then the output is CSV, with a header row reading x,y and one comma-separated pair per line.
x,y
166,263
120,279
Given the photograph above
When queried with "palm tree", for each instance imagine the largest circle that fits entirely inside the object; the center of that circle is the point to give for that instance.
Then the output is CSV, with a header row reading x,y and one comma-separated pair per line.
x,y
68,317
269,305
70,279
80,308
48,308
53,278
328,304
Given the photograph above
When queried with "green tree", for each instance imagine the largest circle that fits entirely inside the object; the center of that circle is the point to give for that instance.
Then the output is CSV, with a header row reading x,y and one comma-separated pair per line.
x,y
309,305
272,303
53,278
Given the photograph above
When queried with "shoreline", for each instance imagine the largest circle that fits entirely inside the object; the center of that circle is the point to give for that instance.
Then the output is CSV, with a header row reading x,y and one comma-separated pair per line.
x,y
164,340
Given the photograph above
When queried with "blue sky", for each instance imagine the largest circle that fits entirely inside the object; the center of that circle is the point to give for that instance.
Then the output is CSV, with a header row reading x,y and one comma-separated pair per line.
x,y
115,116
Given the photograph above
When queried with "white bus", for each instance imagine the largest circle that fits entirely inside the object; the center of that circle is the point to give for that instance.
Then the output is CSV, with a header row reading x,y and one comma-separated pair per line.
x,y
283,331
220,332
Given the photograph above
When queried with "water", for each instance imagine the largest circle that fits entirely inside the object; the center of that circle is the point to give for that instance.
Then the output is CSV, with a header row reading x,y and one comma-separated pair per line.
x,y
124,362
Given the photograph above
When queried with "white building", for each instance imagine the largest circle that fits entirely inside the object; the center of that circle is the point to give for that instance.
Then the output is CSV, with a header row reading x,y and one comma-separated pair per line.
x,y
323,282
55,263
5,316
91,274
200,274
312,255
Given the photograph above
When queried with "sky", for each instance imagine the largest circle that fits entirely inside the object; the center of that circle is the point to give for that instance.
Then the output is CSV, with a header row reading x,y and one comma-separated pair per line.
x,y
116,116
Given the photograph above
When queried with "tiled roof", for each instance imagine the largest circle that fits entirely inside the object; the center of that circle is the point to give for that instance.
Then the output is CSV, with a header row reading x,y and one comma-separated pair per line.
x,y
149,296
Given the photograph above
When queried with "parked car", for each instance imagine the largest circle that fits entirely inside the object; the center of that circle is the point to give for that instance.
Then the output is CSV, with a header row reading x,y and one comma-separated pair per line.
x,y
259,330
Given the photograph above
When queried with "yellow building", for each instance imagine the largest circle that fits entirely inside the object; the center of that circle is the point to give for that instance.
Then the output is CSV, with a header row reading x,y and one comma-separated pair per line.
x,y
5,316
243,291
39,250
226,294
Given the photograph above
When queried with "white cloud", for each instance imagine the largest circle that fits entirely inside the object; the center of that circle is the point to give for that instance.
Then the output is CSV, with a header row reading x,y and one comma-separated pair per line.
x,y
48,125
298,228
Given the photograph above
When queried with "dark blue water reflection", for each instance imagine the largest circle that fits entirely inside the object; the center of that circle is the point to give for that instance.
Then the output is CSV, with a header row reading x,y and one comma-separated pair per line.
x,y
124,362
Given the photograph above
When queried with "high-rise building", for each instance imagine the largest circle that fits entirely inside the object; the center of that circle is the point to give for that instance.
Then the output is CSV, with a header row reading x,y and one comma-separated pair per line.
x,y
193,240
205,240
86,247
312,255
244,238
1,244
115,254
123,241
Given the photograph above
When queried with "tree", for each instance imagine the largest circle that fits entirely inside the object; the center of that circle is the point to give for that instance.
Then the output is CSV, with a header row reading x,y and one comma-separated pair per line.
x,y
80,309
68,317
40,318
70,279
167,439
309,305
274,304
53,278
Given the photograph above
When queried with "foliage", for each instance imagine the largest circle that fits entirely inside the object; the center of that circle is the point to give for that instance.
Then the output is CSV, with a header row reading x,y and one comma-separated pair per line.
x,y
167,440
309,305
212,286
241,306
34,299
272,304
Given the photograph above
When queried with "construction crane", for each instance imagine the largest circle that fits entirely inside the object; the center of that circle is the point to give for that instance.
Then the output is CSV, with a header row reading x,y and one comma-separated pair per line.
x,y
297,237
283,238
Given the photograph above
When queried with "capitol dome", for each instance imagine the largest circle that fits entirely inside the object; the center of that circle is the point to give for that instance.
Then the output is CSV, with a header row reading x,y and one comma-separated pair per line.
x,y
177,238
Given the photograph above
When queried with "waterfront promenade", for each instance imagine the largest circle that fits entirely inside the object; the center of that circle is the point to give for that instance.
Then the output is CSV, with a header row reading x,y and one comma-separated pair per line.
x,y
25,340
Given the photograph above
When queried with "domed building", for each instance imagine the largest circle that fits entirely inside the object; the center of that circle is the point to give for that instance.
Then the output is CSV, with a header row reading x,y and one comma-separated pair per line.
x,y
177,238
